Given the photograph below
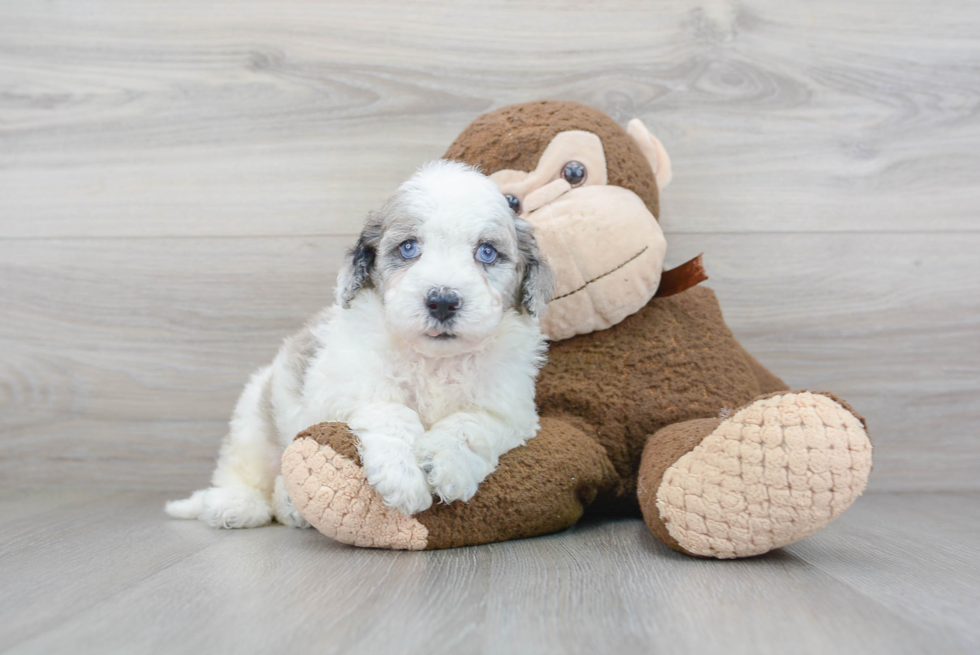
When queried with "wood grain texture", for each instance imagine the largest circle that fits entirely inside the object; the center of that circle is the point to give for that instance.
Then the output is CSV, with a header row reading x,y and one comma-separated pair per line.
x,y
213,118
108,573
179,179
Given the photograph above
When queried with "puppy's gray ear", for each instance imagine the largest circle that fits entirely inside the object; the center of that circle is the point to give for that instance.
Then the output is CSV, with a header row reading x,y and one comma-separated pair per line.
x,y
537,278
359,266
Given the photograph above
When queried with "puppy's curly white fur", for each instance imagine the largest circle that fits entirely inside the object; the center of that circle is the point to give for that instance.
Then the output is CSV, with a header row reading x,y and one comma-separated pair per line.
x,y
430,357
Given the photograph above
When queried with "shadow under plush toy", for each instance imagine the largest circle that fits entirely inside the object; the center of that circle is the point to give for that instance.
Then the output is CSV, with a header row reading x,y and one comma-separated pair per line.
x,y
648,404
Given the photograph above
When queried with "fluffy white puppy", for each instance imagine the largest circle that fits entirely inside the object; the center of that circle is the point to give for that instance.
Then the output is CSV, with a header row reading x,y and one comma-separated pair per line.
x,y
429,355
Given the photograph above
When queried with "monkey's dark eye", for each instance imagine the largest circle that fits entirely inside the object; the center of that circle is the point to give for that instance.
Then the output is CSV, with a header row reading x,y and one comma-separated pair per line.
x,y
574,173
515,204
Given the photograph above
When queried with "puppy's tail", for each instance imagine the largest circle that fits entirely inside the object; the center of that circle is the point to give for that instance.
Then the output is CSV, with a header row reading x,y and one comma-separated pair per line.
x,y
188,508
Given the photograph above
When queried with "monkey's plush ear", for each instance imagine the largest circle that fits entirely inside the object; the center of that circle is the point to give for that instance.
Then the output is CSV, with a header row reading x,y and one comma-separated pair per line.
x,y
653,150
537,280
356,273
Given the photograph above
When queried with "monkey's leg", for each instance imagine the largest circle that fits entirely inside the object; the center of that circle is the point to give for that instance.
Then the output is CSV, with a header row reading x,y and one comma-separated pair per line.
x,y
778,470
537,489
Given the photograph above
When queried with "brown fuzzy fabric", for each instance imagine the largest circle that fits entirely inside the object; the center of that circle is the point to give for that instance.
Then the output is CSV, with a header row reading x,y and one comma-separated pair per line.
x,y
539,488
662,450
514,137
336,435
673,361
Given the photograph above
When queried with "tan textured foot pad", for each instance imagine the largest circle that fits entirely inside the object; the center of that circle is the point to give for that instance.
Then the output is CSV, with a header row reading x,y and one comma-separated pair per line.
x,y
333,494
777,471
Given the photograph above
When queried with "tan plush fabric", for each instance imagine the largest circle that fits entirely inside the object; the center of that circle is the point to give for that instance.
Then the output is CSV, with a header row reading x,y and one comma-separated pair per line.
x,y
608,252
545,194
777,471
653,150
331,491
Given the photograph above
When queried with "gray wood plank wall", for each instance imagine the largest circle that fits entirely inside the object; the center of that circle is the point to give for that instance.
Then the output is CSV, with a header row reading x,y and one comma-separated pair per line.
x,y
178,180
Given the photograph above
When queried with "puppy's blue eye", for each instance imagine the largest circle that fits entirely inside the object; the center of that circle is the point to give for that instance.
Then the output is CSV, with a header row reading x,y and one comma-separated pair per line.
x,y
409,250
486,253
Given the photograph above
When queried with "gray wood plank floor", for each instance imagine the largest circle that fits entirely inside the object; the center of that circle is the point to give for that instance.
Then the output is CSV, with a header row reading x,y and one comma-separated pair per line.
x,y
107,572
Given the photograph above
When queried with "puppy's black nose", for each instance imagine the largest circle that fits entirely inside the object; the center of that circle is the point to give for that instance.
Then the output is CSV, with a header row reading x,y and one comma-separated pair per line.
x,y
442,303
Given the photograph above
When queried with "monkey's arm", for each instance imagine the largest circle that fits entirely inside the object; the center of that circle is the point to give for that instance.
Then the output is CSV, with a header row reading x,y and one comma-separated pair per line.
x,y
539,488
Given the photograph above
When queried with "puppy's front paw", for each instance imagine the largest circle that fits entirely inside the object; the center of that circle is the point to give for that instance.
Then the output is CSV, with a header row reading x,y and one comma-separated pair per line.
x,y
394,474
454,472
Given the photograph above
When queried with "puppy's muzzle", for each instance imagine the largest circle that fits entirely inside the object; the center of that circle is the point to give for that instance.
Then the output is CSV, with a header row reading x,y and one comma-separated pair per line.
x,y
442,303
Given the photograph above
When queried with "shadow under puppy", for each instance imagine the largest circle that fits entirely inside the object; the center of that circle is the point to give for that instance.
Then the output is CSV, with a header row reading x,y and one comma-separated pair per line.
x,y
429,355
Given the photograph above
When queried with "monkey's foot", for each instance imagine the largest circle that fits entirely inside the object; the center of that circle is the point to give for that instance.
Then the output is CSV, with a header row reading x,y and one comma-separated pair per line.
x,y
323,475
778,470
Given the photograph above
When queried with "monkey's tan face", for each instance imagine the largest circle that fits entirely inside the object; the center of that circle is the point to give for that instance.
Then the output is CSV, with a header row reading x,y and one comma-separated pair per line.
x,y
604,245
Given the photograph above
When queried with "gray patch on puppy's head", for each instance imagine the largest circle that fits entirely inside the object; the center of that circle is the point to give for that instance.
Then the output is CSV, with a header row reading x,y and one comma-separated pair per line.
x,y
359,268
537,279
399,224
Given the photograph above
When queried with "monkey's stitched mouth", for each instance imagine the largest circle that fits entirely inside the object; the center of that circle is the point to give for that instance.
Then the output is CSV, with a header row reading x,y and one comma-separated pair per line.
x,y
599,277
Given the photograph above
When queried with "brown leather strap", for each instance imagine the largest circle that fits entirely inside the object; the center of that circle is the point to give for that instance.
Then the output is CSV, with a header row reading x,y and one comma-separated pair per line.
x,y
682,278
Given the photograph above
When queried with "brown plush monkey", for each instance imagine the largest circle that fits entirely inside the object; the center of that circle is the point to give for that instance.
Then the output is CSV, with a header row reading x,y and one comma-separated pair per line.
x,y
648,404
